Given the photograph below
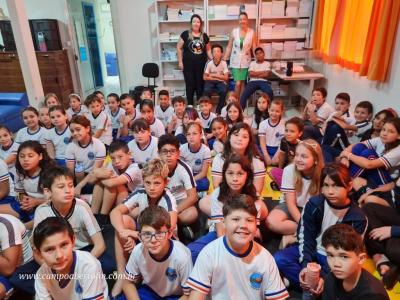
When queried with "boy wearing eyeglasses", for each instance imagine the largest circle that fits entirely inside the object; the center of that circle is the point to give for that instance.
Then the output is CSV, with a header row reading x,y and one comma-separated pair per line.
x,y
123,216
159,267
181,181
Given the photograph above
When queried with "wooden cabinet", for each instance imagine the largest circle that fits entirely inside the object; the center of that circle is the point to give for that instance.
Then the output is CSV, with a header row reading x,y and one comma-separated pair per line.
x,y
54,71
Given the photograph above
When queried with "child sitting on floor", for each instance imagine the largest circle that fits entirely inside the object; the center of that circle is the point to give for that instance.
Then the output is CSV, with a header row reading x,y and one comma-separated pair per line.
x,y
158,267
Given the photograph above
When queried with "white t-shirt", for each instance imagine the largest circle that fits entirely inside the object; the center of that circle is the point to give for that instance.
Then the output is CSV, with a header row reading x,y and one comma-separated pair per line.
x,y
226,275
216,209
181,180
166,277
102,121
83,111
87,280
289,185
132,174
5,153
157,128
140,199
258,67
347,117
257,164
85,157
213,69
141,156
273,133
390,159
323,112
196,159
13,233
24,135
80,217
60,140
5,175
164,115
116,118
28,185
206,122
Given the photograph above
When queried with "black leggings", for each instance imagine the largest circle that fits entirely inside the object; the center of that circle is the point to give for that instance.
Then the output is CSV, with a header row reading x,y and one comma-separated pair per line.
x,y
193,73
379,216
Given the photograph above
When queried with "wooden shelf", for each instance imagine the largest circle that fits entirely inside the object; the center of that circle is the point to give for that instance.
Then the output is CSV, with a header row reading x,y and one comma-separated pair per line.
x,y
174,21
169,61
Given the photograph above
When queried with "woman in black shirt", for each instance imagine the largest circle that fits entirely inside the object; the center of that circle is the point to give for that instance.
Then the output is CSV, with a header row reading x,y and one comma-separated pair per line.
x,y
193,49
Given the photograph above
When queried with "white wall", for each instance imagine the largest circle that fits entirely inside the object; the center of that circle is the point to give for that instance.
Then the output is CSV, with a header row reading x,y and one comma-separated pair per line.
x,y
135,38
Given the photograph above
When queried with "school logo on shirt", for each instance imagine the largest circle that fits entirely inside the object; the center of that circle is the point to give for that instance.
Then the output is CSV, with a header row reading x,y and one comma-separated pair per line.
x,y
90,155
66,140
256,280
197,162
278,134
171,274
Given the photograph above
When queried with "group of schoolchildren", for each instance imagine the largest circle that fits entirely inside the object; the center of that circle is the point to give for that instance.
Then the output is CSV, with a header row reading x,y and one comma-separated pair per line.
x,y
144,169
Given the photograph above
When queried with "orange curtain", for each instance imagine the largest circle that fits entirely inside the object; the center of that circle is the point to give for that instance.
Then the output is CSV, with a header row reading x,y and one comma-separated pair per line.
x,y
357,34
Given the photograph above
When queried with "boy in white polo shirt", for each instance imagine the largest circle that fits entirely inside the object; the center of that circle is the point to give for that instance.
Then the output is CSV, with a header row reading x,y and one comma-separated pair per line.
x,y
181,181
161,265
164,110
259,70
115,181
65,273
99,120
235,267
14,244
216,75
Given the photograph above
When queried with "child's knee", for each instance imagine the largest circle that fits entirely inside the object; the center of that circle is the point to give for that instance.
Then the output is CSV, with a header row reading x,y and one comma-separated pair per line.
x,y
129,222
358,149
188,216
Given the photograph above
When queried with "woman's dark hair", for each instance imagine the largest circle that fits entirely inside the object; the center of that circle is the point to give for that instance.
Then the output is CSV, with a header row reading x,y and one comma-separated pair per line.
x,y
201,27
339,174
396,124
259,115
45,163
239,108
248,188
49,227
251,150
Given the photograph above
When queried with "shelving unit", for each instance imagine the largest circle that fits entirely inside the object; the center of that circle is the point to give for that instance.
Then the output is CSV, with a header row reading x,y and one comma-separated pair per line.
x,y
220,17
168,32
